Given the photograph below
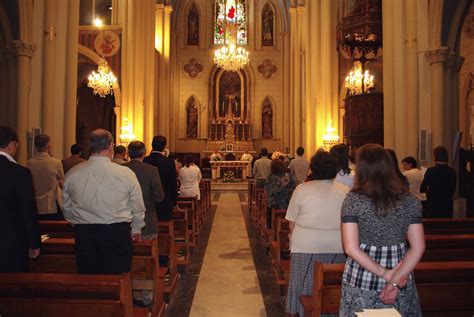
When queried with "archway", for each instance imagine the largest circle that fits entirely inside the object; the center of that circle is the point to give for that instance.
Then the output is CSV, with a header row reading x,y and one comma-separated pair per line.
x,y
92,112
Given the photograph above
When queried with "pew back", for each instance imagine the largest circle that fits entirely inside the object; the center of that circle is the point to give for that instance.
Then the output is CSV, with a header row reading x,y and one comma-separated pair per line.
x,y
58,295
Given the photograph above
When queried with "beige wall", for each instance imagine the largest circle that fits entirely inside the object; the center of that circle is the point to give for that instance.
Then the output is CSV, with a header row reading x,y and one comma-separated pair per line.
x,y
184,86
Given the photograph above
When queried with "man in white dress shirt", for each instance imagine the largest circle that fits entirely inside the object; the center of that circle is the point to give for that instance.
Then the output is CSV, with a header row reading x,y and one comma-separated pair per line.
x,y
415,177
104,202
299,166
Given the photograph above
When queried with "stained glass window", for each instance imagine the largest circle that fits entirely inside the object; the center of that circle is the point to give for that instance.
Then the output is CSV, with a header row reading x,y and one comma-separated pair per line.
x,y
230,17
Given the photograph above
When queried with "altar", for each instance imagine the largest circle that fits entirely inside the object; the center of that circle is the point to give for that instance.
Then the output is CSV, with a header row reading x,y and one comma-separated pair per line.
x,y
217,165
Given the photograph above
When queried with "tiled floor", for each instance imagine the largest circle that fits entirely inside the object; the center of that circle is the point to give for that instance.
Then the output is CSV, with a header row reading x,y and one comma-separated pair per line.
x,y
230,272
228,283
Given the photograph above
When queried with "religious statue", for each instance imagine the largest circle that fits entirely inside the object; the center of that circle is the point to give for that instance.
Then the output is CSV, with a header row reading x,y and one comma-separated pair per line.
x,y
267,26
193,26
191,119
229,130
231,105
267,119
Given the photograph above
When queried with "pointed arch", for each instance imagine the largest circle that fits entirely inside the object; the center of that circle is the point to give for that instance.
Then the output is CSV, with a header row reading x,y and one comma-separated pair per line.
x,y
268,18
192,117
268,111
192,24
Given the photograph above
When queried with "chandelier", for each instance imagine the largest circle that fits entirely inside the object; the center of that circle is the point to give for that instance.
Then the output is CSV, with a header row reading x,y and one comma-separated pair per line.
x,y
359,82
230,56
127,134
103,82
330,139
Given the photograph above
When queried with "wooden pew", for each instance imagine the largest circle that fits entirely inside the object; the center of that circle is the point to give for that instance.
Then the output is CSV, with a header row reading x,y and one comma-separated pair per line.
x,y
444,289
276,214
58,256
57,228
448,226
71,295
167,248
207,186
280,255
191,205
181,236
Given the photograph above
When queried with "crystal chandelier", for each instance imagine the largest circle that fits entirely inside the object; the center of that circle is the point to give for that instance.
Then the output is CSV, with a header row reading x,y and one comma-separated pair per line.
x,y
330,139
231,57
358,82
127,134
103,82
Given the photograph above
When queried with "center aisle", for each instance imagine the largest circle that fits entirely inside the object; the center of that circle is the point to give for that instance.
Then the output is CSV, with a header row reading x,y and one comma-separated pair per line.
x,y
228,284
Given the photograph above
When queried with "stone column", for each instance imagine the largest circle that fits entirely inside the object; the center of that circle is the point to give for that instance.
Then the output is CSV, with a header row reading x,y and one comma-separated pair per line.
x,y
24,51
49,68
411,147
451,110
437,59
293,92
71,74
163,70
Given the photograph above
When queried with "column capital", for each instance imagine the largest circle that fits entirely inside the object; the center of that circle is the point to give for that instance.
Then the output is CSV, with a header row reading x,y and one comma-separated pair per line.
x,y
455,62
439,55
168,9
22,48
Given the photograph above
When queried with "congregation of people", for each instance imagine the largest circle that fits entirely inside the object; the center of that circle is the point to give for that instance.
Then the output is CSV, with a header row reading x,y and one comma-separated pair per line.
x,y
358,213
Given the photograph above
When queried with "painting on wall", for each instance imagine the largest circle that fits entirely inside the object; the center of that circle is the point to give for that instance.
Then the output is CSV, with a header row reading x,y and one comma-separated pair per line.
x,y
193,25
268,17
267,119
191,118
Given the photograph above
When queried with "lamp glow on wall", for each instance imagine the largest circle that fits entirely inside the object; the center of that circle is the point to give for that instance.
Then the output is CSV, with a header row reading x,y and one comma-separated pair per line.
x,y
330,138
126,135
359,81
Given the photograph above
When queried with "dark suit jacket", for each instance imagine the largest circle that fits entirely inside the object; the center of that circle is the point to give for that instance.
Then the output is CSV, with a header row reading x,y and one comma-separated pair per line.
x,y
167,171
19,227
152,190
70,162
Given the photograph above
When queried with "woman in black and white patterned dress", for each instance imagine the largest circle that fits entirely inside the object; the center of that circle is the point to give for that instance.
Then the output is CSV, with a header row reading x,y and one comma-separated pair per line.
x,y
377,215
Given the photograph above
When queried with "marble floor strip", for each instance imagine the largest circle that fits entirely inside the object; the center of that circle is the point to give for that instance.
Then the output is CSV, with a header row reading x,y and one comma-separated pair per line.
x,y
228,284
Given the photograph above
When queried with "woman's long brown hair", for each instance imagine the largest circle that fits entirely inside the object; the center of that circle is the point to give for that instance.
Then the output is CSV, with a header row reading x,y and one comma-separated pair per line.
x,y
376,178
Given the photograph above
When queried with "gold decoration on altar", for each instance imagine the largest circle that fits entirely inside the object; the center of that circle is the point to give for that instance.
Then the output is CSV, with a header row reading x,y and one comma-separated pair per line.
x,y
359,82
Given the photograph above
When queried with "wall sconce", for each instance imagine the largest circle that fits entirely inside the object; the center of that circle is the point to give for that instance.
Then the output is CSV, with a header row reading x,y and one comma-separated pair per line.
x,y
50,33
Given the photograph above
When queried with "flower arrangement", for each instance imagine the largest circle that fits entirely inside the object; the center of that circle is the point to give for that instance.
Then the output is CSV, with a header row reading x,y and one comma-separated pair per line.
x,y
229,176
215,158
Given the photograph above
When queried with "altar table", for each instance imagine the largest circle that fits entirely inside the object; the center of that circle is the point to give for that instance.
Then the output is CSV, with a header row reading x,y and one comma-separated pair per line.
x,y
217,165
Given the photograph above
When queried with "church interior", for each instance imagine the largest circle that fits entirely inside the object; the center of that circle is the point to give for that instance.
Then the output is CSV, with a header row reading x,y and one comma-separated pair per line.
x,y
222,79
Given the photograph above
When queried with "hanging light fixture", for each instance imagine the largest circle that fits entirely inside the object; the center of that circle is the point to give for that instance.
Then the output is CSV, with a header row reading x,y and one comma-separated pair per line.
x,y
127,134
103,82
330,139
359,82
230,56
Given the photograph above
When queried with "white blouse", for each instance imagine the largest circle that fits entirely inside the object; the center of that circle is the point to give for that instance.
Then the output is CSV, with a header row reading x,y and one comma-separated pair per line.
x,y
190,177
315,208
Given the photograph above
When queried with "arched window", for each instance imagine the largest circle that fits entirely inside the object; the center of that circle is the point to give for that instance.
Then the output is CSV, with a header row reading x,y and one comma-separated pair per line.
x,y
230,12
